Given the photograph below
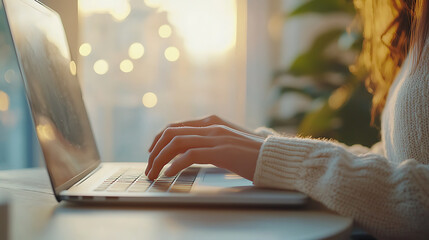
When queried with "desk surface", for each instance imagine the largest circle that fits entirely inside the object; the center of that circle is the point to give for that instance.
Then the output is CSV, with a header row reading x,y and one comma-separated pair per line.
x,y
35,214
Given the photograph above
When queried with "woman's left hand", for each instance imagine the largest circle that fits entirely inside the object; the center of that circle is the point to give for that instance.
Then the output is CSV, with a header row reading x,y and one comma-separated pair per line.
x,y
217,145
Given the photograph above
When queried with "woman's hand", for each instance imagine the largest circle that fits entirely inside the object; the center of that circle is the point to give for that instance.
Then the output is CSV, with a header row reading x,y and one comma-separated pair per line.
x,y
204,142
204,122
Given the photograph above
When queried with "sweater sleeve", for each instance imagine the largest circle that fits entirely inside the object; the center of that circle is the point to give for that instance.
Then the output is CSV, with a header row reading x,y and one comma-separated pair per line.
x,y
377,148
385,189
389,200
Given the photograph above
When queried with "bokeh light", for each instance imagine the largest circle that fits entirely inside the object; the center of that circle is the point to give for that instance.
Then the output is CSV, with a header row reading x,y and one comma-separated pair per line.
x,y
153,3
85,49
164,31
73,68
172,54
101,67
4,101
126,66
10,76
149,100
136,50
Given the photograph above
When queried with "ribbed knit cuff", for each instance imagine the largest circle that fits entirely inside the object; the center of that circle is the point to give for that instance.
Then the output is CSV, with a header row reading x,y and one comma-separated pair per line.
x,y
279,161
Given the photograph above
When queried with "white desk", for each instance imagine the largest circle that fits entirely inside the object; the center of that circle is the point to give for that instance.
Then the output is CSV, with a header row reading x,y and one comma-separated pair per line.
x,y
35,214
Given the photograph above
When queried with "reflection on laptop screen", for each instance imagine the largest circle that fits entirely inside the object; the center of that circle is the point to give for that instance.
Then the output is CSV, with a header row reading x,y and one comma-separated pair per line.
x,y
53,90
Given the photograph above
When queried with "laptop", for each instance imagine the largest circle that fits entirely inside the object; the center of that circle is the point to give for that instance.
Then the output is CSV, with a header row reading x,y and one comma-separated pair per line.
x,y
76,171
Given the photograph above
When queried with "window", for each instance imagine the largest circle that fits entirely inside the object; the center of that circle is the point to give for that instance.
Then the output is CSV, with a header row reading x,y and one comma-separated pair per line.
x,y
18,145
148,63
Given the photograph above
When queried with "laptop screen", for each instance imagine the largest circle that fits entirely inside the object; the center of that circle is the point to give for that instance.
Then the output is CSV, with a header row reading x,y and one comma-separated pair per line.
x,y
53,91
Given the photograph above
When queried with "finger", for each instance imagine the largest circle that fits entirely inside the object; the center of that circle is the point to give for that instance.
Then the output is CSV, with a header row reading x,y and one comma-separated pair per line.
x,y
194,156
171,132
166,137
233,158
204,122
181,144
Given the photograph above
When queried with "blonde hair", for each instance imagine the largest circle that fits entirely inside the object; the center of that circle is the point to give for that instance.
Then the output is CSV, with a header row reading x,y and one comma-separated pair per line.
x,y
391,29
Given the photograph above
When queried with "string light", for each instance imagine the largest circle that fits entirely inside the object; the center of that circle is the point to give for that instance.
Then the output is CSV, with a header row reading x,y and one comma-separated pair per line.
x,y
136,50
126,66
149,100
172,54
85,49
101,67
164,31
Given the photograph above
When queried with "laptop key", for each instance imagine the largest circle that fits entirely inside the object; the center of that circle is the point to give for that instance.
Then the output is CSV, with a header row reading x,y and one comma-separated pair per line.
x,y
120,180
162,184
119,187
185,181
133,180
138,188
140,185
103,186
179,188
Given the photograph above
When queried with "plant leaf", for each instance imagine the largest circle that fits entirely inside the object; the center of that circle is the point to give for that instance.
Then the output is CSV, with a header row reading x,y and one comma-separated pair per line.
x,y
316,123
313,62
324,39
324,6
311,92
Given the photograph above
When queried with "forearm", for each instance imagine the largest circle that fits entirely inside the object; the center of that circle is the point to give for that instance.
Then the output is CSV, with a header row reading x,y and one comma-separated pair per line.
x,y
390,201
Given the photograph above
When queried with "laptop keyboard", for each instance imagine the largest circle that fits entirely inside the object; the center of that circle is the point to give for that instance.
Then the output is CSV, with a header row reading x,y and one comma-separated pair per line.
x,y
134,180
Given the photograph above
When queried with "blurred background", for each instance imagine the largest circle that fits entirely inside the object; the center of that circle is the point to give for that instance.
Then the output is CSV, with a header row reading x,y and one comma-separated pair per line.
x,y
286,64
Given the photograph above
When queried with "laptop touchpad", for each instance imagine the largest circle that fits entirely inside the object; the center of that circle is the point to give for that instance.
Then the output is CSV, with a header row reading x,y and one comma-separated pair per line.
x,y
222,178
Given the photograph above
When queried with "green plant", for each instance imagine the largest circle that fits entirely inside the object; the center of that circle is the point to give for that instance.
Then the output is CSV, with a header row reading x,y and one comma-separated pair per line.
x,y
343,109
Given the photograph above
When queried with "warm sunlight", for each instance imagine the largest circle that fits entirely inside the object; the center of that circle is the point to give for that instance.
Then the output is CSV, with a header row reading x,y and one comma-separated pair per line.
x,y
207,27
118,9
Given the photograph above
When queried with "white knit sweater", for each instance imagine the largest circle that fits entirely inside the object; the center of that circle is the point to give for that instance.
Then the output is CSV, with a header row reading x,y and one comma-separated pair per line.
x,y
385,189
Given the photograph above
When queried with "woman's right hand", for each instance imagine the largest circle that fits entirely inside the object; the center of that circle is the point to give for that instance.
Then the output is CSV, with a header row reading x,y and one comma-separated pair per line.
x,y
204,122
